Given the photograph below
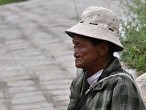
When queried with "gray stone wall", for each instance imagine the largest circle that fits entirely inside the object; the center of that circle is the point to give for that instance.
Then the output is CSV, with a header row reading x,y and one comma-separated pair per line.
x,y
141,82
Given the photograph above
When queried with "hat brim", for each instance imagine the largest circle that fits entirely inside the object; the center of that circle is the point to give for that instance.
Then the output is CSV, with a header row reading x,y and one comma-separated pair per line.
x,y
94,31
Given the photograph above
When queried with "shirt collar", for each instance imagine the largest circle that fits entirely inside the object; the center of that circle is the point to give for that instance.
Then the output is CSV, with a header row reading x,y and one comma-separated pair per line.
x,y
94,78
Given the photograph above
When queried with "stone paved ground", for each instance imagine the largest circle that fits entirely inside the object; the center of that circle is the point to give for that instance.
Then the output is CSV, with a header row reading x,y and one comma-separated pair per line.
x,y
36,62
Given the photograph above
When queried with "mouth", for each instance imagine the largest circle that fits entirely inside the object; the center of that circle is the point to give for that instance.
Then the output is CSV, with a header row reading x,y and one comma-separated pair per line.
x,y
78,63
77,60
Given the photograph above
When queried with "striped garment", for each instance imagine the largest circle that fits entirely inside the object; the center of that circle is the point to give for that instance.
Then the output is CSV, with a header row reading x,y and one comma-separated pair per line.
x,y
116,90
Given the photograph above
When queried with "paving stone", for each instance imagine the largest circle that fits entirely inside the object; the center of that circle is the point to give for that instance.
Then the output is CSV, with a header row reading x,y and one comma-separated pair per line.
x,y
26,94
60,92
56,86
20,83
28,100
21,89
33,106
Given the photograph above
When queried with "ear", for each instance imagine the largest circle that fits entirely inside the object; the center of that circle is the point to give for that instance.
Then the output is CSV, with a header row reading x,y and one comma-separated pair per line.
x,y
103,48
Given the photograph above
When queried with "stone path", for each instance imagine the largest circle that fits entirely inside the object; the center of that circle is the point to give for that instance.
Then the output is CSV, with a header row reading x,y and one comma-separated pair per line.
x,y
36,65
36,57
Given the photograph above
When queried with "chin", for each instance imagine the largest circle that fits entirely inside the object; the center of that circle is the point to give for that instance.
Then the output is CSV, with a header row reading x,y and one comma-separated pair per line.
x,y
79,66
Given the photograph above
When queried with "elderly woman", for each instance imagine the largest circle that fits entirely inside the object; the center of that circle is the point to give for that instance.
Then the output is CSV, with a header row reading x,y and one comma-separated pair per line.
x,y
103,84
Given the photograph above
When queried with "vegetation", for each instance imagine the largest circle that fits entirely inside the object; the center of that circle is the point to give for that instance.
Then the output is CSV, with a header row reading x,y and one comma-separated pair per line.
x,y
134,34
2,2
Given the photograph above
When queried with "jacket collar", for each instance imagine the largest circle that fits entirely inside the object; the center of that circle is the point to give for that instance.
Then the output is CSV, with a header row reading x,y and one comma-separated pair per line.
x,y
115,64
107,74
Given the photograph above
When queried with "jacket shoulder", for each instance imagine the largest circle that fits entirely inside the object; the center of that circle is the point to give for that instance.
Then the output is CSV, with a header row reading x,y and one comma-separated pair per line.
x,y
78,79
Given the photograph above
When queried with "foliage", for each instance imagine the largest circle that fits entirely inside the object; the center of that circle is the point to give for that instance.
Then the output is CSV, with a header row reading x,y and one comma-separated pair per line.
x,y
134,37
2,2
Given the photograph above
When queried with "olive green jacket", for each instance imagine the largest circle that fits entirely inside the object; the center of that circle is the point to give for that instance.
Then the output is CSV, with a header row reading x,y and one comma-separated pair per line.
x,y
116,90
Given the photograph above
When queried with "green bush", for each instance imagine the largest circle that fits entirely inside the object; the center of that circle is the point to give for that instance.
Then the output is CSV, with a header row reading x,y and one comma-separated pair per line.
x,y
2,2
134,37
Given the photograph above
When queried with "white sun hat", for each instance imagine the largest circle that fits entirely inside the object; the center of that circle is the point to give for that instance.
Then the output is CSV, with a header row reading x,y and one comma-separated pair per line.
x,y
100,23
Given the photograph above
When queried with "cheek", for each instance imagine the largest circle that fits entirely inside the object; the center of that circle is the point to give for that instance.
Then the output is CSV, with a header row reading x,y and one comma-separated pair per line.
x,y
90,55
85,54
81,57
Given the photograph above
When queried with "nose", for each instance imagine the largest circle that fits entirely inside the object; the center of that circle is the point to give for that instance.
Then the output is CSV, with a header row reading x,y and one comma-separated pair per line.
x,y
76,53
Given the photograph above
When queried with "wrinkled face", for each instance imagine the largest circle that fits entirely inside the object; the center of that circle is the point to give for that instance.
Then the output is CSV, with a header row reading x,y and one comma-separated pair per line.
x,y
85,53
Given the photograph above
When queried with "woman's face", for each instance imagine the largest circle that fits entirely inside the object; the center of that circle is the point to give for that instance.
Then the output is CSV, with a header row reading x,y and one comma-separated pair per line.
x,y
85,53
